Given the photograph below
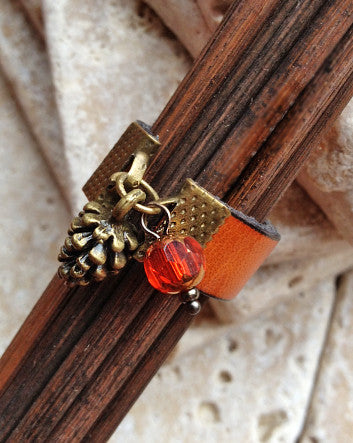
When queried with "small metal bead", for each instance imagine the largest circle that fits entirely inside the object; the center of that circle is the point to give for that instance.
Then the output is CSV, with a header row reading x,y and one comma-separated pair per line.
x,y
190,295
193,294
193,307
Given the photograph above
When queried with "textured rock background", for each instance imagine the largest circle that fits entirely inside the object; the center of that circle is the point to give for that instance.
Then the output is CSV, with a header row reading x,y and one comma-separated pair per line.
x,y
236,388
270,366
34,217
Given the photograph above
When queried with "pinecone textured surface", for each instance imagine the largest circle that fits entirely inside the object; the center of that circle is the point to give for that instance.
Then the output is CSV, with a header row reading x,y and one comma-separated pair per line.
x,y
97,244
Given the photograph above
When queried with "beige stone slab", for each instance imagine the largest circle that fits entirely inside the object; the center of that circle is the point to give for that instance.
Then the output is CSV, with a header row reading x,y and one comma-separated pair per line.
x,y
33,220
213,11
304,228
186,20
328,174
25,63
338,205
34,11
275,283
251,384
330,417
111,66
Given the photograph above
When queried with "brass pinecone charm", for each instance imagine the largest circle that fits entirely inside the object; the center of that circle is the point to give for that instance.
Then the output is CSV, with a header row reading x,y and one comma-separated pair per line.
x,y
97,244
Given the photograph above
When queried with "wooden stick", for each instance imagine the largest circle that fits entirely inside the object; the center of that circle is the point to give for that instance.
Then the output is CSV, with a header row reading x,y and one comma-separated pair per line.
x,y
241,123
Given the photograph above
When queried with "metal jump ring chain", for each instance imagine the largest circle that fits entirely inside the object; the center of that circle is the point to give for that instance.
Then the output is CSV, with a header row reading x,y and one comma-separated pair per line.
x,y
120,178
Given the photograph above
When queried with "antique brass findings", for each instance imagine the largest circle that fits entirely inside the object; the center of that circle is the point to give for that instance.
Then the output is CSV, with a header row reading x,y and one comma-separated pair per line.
x,y
194,212
137,143
106,234
102,237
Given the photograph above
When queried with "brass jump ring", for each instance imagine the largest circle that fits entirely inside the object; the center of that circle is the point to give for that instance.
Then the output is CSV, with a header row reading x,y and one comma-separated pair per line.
x,y
127,202
120,178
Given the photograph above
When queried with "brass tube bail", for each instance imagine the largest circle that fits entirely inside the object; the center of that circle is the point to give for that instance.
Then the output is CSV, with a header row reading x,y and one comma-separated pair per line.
x,y
138,169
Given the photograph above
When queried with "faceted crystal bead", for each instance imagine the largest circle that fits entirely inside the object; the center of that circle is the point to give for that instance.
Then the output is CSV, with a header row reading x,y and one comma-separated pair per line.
x,y
174,264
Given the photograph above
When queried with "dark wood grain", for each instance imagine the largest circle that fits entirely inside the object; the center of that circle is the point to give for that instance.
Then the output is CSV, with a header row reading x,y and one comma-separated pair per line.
x,y
241,123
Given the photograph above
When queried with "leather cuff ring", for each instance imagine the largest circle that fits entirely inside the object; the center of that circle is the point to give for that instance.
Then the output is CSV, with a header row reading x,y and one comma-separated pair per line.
x,y
188,242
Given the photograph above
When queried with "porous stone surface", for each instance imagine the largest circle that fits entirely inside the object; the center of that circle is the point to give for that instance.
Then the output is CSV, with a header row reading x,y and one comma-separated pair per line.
x,y
33,220
328,174
304,228
34,11
192,21
213,11
186,20
250,384
116,64
272,284
25,63
330,416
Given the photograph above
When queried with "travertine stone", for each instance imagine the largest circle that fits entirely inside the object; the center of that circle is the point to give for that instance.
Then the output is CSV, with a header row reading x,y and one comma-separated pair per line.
x,y
111,66
185,19
330,416
25,64
328,174
213,11
272,284
33,220
251,384
337,205
34,11
304,228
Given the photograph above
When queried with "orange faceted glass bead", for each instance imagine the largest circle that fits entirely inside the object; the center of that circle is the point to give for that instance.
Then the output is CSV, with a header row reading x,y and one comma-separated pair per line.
x,y
174,264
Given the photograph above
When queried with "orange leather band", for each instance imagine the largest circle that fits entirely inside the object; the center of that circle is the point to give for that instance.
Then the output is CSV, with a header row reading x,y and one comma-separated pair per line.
x,y
235,252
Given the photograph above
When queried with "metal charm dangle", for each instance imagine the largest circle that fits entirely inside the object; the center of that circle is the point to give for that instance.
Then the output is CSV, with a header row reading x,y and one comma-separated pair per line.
x,y
103,236
173,264
100,239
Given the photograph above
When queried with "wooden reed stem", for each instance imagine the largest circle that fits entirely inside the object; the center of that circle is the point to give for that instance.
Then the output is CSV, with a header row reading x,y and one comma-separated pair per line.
x,y
241,123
